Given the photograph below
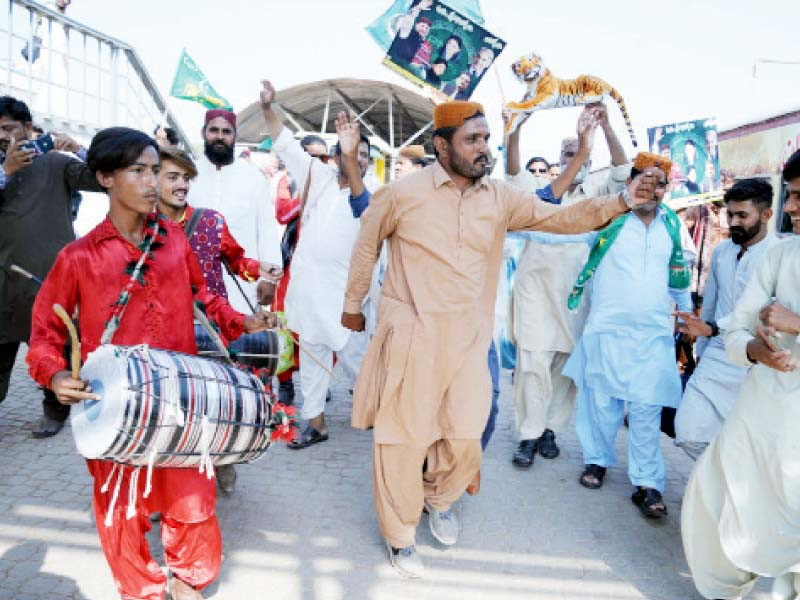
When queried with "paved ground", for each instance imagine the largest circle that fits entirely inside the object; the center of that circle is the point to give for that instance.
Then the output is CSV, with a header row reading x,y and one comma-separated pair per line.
x,y
301,525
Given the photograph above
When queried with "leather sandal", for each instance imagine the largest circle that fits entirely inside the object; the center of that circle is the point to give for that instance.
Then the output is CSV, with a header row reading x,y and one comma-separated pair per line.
x,y
309,437
650,502
592,477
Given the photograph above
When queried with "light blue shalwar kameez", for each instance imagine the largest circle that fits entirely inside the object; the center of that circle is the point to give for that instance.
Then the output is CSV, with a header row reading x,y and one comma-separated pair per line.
x,y
627,351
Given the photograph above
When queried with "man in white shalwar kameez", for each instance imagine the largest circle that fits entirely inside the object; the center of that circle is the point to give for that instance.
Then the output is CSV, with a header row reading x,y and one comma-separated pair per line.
x,y
741,512
320,266
238,191
714,385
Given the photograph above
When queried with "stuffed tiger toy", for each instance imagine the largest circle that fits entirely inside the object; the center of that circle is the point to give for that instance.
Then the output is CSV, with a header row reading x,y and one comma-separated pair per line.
x,y
547,91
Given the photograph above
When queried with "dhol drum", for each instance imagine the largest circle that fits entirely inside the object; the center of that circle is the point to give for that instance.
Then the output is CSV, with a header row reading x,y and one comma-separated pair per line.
x,y
169,409
260,350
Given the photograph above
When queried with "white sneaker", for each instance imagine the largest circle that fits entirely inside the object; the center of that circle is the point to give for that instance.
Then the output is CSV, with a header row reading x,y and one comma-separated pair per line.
x,y
444,525
406,561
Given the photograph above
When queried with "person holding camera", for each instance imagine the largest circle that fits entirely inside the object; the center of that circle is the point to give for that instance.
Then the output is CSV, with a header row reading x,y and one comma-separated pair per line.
x,y
36,188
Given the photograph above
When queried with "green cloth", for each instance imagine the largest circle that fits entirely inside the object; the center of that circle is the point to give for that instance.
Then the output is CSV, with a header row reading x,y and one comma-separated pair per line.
x,y
190,84
679,274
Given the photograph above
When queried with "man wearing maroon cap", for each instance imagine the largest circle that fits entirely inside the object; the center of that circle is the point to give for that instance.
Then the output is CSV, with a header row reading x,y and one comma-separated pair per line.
x,y
238,191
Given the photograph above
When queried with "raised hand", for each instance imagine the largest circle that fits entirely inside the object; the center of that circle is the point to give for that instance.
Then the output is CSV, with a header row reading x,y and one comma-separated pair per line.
x,y
586,128
349,132
267,96
600,112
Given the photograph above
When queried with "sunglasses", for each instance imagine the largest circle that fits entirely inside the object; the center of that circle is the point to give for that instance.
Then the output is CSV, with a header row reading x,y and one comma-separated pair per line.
x,y
323,157
540,171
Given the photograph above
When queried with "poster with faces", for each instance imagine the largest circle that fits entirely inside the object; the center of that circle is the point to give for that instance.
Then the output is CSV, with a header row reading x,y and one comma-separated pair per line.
x,y
440,48
692,147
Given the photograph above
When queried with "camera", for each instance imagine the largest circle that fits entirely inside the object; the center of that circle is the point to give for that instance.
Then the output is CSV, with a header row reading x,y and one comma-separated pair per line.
x,y
41,145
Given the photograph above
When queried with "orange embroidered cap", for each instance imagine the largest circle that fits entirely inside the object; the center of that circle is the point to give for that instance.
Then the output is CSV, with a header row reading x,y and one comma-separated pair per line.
x,y
646,160
454,113
414,151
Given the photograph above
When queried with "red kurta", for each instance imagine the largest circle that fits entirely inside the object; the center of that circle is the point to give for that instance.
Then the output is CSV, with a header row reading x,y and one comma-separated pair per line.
x,y
89,274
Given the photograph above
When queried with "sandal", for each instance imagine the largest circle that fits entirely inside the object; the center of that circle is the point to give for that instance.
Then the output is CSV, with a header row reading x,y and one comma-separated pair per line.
x,y
592,477
650,502
309,437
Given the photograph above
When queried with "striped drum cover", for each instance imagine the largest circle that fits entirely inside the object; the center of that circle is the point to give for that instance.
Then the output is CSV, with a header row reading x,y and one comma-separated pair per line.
x,y
170,409
260,350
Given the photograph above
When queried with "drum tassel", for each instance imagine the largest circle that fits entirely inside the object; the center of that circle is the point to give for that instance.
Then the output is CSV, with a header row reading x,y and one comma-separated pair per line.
x,y
132,493
110,514
148,481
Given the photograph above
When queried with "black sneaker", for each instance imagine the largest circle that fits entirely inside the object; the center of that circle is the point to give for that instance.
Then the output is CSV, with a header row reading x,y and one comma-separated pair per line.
x,y
547,445
523,457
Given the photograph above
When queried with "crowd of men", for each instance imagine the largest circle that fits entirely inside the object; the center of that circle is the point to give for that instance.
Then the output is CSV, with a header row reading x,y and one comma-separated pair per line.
x,y
398,283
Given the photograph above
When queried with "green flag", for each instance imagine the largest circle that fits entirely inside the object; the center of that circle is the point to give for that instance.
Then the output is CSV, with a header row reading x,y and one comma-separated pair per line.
x,y
191,84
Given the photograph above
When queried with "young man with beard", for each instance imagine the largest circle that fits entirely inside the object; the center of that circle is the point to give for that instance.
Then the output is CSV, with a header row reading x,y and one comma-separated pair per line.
x,y
424,386
319,267
36,221
134,280
714,385
544,328
740,514
626,353
239,192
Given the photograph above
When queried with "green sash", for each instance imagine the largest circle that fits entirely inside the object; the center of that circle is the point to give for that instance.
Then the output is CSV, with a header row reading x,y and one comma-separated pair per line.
x,y
679,274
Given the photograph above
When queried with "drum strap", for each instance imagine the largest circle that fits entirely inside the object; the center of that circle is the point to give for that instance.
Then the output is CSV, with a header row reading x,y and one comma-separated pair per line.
x,y
193,222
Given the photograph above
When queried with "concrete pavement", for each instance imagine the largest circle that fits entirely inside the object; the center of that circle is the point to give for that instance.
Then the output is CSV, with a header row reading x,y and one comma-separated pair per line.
x,y
301,524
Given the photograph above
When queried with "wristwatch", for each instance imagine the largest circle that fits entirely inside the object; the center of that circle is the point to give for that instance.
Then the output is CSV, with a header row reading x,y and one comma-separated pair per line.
x,y
714,328
626,198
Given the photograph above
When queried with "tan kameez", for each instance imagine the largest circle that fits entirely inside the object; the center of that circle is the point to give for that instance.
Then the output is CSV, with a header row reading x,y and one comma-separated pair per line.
x,y
425,376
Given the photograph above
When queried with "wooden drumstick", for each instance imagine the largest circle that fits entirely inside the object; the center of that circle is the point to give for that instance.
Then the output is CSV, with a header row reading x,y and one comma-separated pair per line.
x,y
198,314
299,345
75,356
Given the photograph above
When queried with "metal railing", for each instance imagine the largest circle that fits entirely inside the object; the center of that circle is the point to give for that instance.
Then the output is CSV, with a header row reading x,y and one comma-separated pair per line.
x,y
75,78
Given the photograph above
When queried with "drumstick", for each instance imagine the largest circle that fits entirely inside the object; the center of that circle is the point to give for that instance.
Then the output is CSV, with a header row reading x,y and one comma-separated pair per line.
x,y
198,314
76,342
299,345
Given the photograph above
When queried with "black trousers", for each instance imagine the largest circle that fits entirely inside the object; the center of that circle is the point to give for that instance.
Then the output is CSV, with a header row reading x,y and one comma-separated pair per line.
x,y
51,407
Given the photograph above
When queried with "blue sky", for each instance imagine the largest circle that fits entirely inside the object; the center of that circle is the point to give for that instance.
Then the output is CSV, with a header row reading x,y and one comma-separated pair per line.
x,y
672,61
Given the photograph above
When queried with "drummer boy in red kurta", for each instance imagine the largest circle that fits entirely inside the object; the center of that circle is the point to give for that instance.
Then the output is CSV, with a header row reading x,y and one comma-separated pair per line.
x,y
127,297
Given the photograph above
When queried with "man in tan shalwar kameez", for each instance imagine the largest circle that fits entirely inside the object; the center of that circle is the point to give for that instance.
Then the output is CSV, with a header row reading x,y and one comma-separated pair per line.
x,y
424,385
741,512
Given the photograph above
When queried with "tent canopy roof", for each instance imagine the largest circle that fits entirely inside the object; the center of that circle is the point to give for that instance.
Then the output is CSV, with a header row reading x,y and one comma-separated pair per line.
x,y
391,115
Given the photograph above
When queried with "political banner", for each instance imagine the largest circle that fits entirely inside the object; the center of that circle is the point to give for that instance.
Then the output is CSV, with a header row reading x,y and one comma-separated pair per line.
x,y
384,28
439,47
692,147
